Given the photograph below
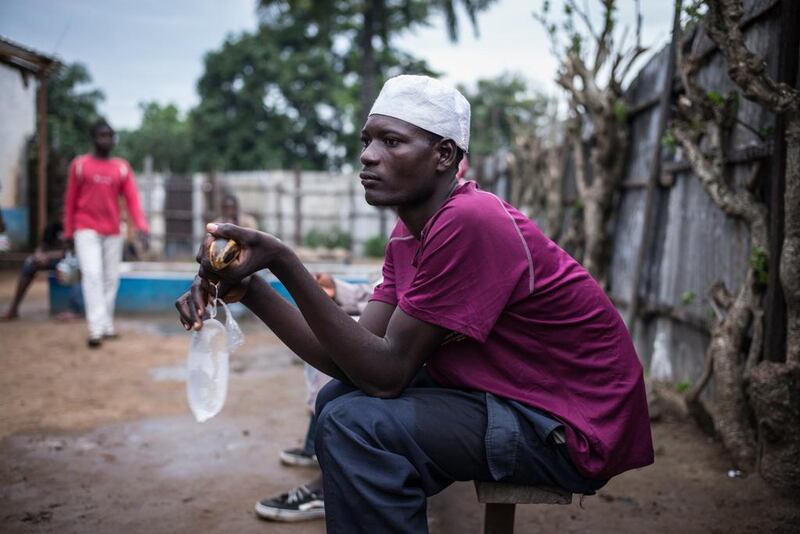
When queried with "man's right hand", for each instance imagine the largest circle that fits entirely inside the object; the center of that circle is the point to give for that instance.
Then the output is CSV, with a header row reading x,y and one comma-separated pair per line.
x,y
191,305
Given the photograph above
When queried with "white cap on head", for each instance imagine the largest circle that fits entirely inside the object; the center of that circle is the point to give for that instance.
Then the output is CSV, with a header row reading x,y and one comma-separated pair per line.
x,y
427,103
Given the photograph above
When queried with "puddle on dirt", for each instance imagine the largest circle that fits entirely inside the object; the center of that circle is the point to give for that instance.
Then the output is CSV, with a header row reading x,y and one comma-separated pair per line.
x,y
168,374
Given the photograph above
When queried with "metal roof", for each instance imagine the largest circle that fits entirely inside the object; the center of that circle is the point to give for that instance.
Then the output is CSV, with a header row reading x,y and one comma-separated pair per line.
x,y
24,58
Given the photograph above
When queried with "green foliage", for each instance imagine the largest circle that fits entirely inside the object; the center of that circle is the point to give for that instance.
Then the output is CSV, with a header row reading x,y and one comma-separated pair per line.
x,y
669,141
287,95
163,134
759,262
693,13
71,110
687,297
501,106
716,98
621,111
577,207
335,238
683,386
274,99
375,246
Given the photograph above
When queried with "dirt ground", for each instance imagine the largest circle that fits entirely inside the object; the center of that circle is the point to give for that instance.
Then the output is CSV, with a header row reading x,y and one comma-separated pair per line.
x,y
103,441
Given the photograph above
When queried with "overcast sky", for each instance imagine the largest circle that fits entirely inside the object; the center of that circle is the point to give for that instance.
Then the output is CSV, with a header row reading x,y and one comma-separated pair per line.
x,y
141,50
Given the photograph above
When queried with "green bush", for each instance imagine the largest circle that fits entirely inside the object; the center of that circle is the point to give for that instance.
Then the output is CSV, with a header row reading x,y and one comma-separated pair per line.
x,y
375,246
335,238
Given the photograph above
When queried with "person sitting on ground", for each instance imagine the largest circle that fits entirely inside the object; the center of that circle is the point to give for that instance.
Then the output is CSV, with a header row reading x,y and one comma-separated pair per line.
x,y
50,250
353,299
487,353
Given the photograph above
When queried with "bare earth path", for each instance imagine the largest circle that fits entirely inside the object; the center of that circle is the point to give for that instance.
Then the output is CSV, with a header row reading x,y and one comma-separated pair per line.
x,y
102,441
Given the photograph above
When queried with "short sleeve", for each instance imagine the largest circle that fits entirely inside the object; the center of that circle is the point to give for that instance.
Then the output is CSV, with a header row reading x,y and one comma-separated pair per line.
x,y
386,291
470,262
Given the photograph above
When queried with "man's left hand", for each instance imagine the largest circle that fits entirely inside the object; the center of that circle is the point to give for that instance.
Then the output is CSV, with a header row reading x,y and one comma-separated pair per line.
x,y
144,240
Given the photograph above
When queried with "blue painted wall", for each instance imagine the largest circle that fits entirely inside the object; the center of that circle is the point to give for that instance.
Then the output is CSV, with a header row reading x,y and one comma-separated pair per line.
x,y
148,292
17,227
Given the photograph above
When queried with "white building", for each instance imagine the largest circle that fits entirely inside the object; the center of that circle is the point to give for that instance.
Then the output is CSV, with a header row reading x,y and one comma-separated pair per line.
x,y
22,75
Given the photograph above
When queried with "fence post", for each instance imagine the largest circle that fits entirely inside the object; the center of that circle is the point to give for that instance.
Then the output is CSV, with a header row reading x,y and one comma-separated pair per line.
x,y
655,172
775,304
298,207
198,210
157,224
279,211
351,191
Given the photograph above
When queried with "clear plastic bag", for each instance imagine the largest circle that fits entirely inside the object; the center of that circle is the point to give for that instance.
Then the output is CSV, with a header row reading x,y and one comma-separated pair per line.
x,y
68,270
207,363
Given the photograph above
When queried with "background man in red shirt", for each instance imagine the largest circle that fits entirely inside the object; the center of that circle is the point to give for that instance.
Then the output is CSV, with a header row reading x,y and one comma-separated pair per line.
x,y
92,220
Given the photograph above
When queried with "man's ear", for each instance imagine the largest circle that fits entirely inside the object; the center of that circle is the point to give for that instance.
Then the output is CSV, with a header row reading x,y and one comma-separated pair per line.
x,y
447,152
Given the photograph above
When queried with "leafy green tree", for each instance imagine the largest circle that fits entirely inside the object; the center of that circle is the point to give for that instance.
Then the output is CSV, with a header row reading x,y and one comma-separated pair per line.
x,y
285,96
272,99
502,106
363,24
163,135
71,110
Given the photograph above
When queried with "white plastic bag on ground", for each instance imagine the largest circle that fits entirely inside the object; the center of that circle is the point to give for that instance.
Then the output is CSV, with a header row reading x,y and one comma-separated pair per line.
x,y
207,363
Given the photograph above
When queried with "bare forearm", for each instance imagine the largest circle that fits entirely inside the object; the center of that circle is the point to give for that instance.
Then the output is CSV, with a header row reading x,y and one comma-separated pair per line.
x,y
371,362
289,325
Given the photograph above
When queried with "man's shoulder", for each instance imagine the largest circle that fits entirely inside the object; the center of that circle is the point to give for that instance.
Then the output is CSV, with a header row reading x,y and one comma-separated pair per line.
x,y
470,207
123,166
80,159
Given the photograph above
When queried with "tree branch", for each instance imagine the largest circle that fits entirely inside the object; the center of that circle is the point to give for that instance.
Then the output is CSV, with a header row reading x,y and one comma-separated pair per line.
x,y
744,67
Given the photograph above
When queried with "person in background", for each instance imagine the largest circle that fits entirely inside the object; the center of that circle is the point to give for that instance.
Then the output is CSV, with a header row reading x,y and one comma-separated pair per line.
x,y
307,501
232,214
48,253
95,185
4,243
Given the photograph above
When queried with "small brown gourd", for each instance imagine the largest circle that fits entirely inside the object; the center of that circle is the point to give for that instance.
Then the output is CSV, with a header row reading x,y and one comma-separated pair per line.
x,y
222,252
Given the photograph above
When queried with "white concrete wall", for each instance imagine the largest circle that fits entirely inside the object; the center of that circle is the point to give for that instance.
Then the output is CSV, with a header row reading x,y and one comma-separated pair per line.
x,y
17,125
327,201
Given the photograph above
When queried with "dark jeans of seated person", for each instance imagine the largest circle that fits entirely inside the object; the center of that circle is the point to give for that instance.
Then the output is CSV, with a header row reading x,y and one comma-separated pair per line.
x,y
382,458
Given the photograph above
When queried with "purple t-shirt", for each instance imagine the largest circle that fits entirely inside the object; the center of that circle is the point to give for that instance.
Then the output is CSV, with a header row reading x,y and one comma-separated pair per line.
x,y
535,327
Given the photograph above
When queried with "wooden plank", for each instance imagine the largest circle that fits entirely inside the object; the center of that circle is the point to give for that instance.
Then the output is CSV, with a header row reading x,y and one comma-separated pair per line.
x,y
734,157
752,13
502,492
645,243
775,303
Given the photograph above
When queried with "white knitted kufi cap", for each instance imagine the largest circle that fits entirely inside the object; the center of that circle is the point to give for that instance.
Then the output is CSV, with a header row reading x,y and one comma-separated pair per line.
x,y
427,103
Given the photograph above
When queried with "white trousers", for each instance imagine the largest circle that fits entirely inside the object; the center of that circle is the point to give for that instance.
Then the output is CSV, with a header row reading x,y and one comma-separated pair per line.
x,y
99,257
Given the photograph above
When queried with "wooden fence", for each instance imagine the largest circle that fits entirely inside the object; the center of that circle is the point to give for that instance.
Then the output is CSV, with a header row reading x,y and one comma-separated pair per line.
x,y
670,242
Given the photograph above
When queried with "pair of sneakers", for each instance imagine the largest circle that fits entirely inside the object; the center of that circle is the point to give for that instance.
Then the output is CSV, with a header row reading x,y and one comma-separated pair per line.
x,y
298,504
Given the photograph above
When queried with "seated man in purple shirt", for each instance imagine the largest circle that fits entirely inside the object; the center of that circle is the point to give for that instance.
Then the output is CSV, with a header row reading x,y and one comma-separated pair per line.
x,y
487,353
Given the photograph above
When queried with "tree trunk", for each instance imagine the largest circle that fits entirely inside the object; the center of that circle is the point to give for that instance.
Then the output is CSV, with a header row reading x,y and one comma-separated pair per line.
x,y
790,255
367,93
608,158
730,410
775,397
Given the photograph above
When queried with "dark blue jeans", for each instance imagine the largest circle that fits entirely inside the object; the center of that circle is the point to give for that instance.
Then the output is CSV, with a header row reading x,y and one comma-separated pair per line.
x,y
311,435
382,458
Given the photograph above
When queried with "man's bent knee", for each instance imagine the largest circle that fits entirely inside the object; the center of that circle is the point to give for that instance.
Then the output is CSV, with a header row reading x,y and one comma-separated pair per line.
x,y
330,391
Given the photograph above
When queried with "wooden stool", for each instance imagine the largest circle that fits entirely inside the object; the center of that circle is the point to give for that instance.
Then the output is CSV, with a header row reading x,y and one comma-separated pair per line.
x,y
501,499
